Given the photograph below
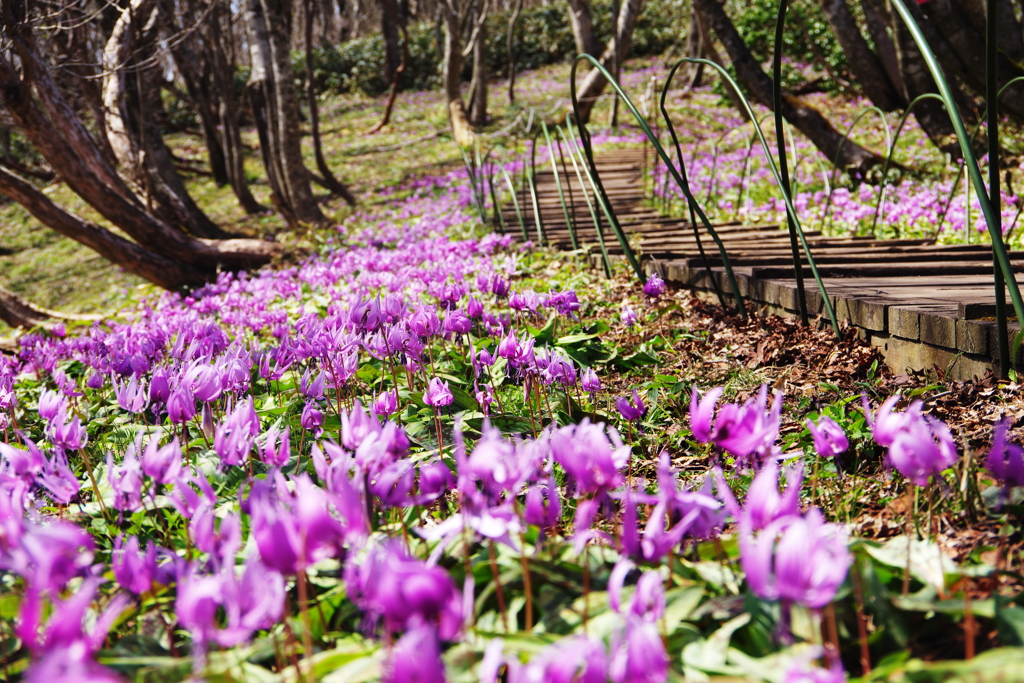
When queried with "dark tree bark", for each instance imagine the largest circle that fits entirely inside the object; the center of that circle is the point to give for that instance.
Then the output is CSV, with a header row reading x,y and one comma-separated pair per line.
x,y
582,22
851,157
878,28
132,105
223,70
276,111
390,23
510,49
693,73
62,139
865,64
614,53
329,181
151,266
929,113
962,29
478,84
396,80
17,312
193,64
455,15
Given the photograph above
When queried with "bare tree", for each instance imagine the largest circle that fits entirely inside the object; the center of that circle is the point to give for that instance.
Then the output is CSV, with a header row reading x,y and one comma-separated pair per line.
x,y
456,18
155,248
615,52
847,154
275,109
327,180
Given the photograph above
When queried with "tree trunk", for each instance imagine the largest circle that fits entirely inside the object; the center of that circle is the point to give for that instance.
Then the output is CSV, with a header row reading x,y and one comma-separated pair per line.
x,y
330,182
396,81
154,267
390,21
72,150
276,112
615,53
852,157
878,28
963,29
478,84
227,112
930,113
196,76
693,73
582,23
865,64
462,129
510,48
17,312
131,106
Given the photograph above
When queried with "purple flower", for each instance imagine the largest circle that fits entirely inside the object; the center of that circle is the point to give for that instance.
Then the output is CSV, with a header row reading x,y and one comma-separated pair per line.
x,y
886,425
628,315
159,387
68,435
312,386
415,658
405,592
923,449
63,645
829,438
132,396
386,403
575,659
655,286
357,426
438,394
764,504
312,418
277,448
796,559
133,569
590,381
126,480
1005,460
702,413
162,464
51,404
20,463
588,456
233,439
293,531
631,411
638,654
181,405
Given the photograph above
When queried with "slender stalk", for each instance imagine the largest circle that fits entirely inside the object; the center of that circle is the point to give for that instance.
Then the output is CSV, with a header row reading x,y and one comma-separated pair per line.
x,y
992,95
558,184
497,585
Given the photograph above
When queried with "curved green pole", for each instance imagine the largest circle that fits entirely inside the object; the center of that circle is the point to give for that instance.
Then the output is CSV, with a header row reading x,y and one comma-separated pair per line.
x,y
745,175
588,151
531,176
515,203
691,203
568,185
798,271
892,148
835,166
974,170
775,171
558,184
570,142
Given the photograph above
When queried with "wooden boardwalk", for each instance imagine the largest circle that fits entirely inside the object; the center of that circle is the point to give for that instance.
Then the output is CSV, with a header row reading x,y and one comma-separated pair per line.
x,y
920,303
